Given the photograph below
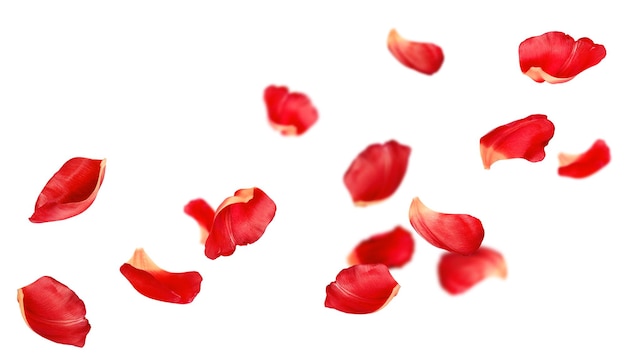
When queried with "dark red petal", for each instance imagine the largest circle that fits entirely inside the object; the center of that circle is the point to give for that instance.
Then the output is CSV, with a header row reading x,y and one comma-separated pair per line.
x,y
458,273
587,163
361,289
394,249
54,311
152,281
459,233
525,138
425,58
555,57
290,113
239,220
202,212
377,172
70,191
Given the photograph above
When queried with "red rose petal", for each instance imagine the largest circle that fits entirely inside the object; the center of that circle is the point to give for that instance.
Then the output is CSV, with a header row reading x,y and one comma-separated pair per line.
x,y
425,58
555,57
152,281
459,233
458,274
587,163
239,220
202,212
377,172
54,311
525,138
290,113
70,191
394,249
361,289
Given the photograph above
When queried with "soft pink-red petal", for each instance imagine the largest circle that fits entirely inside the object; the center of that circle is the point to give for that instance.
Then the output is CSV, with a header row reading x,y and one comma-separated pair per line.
x,y
458,233
555,57
394,249
202,212
361,289
70,191
425,58
587,163
291,113
54,311
458,273
525,138
152,281
377,172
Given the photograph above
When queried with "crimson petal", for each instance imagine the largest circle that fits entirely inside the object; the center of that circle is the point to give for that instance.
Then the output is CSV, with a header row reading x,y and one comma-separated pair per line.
x,y
394,249
54,311
202,212
361,289
587,163
425,58
290,113
458,273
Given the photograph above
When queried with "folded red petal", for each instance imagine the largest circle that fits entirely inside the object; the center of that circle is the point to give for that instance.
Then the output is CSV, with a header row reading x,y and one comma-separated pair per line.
x,y
587,163
525,138
239,220
361,289
202,212
556,57
152,281
425,58
458,233
393,249
54,311
70,191
458,273
377,172
290,113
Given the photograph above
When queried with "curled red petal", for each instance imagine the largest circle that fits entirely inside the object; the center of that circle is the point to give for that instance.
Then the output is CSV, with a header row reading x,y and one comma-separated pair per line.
x,y
54,311
458,273
555,57
393,249
587,163
239,220
377,172
458,233
425,58
152,281
525,138
70,191
361,289
291,113
202,212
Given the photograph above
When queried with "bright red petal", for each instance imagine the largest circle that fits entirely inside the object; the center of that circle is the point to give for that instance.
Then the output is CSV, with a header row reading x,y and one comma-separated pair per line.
x,y
152,281
239,220
377,172
458,274
361,289
202,212
54,311
459,233
394,249
525,138
555,57
290,113
425,58
587,163
70,191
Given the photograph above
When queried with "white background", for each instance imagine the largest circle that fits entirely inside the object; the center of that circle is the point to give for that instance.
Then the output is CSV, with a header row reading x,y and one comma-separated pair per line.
x,y
171,94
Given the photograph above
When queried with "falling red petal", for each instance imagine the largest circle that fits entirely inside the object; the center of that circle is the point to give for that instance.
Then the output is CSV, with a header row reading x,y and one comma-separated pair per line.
x,y
290,113
361,289
54,311
70,191
458,273
525,138
394,249
377,172
555,57
239,220
458,233
425,58
152,281
587,163
202,212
